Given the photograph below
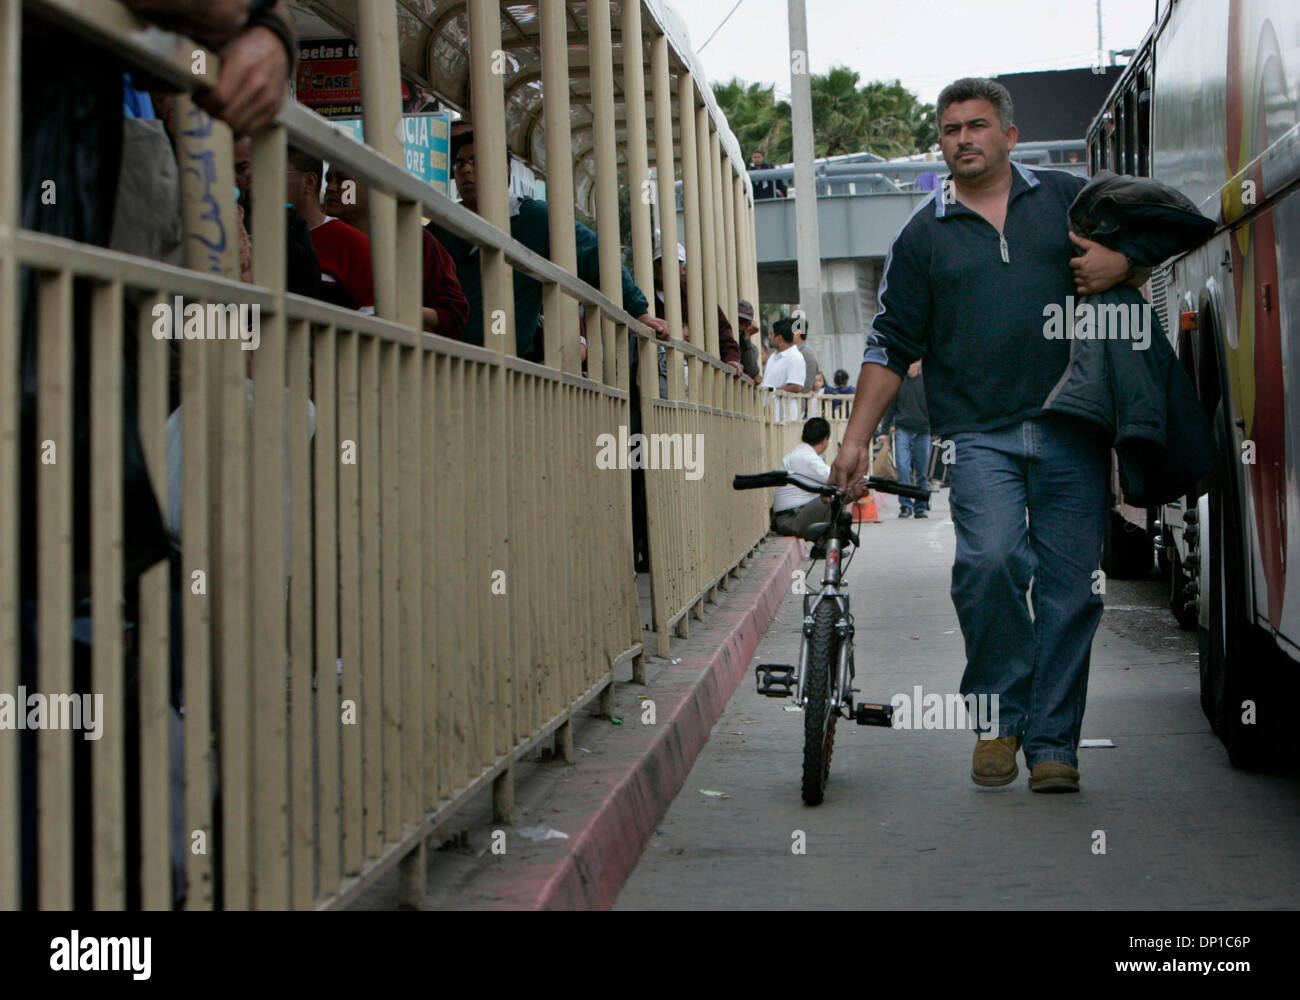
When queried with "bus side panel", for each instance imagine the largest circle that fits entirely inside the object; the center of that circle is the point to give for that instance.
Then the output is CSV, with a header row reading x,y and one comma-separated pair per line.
x,y
1188,121
1287,300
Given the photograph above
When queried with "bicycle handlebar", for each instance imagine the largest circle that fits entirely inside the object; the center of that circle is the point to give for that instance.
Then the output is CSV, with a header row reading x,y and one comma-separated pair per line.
x,y
779,477
756,480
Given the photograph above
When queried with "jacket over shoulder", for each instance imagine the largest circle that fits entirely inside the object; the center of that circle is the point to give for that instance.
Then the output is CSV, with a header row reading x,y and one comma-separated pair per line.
x,y
1123,373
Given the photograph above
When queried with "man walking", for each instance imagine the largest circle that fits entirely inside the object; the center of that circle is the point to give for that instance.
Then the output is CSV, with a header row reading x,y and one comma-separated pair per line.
x,y
911,426
965,286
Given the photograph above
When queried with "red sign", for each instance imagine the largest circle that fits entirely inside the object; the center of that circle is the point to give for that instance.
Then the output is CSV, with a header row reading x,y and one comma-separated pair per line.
x,y
329,78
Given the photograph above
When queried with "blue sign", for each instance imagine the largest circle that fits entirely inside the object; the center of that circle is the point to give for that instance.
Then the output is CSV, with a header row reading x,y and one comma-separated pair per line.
x,y
427,138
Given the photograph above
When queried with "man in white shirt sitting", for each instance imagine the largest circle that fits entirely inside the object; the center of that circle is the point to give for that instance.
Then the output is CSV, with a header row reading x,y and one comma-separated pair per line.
x,y
795,509
785,368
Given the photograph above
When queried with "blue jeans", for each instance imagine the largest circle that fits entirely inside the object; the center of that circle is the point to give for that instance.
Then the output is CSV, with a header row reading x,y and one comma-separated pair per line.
x,y
913,455
1028,502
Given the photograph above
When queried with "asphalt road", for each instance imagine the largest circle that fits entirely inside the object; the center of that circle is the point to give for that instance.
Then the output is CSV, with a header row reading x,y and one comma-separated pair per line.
x,y
1162,821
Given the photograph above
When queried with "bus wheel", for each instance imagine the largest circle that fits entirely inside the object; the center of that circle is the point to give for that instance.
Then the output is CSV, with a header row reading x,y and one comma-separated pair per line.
x,y
1231,652
1183,581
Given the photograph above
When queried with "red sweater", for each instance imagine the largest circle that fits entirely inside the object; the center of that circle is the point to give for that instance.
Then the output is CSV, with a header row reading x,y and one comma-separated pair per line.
x,y
344,255
442,291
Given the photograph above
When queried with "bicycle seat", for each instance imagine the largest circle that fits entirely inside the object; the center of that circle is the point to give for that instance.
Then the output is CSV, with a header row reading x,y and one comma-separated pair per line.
x,y
818,531
815,531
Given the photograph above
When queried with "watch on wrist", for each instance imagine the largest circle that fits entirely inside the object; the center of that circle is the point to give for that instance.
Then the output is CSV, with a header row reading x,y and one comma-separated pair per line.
x,y
262,14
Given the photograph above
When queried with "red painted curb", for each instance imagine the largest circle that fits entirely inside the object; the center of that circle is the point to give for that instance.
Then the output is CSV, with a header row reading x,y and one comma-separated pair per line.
x,y
690,697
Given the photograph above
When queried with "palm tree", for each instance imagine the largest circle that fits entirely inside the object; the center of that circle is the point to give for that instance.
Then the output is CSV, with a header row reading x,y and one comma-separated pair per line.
x,y
841,116
878,117
759,120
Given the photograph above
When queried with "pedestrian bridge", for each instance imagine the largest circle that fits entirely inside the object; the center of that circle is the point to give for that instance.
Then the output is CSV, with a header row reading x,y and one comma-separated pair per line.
x,y
402,561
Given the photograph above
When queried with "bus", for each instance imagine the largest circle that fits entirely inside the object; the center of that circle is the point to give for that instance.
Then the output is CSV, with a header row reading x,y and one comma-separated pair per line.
x,y
1209,104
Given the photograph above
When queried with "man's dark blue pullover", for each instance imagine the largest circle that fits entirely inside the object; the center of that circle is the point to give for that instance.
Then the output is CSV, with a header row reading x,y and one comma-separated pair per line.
x,y
951,295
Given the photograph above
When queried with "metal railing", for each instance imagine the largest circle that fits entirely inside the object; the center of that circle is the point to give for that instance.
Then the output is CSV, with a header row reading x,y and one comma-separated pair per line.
x,y
399,566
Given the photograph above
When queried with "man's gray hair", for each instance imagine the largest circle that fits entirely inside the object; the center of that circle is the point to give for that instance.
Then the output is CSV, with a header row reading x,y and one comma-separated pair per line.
x,y
975,88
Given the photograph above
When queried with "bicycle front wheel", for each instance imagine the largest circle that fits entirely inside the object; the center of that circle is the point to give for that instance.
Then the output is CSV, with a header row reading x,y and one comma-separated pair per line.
x,y
819,712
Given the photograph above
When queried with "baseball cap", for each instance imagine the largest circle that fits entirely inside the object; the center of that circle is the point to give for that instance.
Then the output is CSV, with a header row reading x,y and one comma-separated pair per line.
x,y
681,253
746,310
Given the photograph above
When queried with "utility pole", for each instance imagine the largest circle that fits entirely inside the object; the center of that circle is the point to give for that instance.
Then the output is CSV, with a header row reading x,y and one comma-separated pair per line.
x,y
1101,57
805,182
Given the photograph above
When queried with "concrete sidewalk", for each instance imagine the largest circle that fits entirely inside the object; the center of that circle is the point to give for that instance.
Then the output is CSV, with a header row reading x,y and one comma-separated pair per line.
x,y
902,825
610,800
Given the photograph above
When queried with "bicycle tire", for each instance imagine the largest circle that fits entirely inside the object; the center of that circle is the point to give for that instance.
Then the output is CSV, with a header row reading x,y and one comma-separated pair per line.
x,y
819,714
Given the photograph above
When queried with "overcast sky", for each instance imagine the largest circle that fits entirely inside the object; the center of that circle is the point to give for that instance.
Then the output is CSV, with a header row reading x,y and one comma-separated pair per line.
x,y
923,43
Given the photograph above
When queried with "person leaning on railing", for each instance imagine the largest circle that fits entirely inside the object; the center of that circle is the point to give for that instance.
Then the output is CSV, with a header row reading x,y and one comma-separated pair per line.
x,y
530,225
748,349
255,40
728,349
302,269
444,306
342,250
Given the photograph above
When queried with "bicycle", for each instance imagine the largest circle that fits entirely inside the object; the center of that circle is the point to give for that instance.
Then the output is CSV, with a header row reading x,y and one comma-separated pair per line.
x,y
822,685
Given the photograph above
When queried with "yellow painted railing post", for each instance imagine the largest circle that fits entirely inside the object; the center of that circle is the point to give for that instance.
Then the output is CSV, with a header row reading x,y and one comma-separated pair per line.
x,y
640,194
491,167
613,335
271,860
562,346
562,336
707,337
732,245
692,200
667,193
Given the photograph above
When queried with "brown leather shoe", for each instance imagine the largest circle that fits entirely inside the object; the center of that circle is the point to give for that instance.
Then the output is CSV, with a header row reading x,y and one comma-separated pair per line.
x,y
1053,776
994,762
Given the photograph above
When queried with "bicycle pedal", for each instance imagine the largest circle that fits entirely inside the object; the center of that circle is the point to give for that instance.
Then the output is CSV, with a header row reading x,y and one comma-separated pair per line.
x,y
867,714
776,680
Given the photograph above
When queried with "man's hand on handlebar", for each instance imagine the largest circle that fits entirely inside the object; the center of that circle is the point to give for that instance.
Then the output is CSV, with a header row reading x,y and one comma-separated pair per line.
x,y
852,463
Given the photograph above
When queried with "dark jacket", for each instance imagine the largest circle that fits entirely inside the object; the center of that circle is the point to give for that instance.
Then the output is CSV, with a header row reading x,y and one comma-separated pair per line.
x,y
1139,394
763,190
971,301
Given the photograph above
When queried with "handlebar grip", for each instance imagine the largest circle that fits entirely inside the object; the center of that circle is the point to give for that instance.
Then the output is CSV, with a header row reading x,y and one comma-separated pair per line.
x,y
898,489
757,480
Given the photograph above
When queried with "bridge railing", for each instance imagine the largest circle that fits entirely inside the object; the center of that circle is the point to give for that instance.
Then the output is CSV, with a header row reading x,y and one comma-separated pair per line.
x,y
399,564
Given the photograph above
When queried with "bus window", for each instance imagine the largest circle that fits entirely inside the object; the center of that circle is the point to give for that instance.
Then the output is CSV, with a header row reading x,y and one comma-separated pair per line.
x,y
1117,138
1130,132
1144,128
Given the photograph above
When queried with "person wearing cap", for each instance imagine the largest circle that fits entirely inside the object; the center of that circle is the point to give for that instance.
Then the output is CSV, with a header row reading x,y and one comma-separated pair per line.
x,y
748,349
728,349
530,225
